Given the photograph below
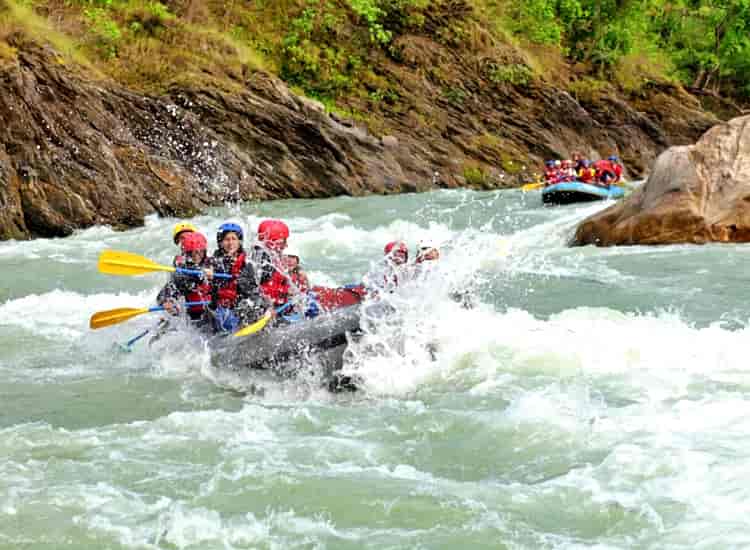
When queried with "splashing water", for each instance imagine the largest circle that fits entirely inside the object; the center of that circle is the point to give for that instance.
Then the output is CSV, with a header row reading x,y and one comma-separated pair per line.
x,y
523,394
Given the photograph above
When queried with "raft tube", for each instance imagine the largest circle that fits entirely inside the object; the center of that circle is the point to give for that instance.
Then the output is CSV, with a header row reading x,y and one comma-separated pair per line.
x,y
568,192
287,347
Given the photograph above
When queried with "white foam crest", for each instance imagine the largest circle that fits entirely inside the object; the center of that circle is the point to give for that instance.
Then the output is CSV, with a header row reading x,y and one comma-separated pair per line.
x,y
660,353
563,409
336,241
542,249
690,454
324,222
185,526
250,425
63,313
556,232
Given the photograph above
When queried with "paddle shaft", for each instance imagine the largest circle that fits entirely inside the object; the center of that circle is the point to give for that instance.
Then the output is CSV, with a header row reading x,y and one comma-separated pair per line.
x,y
199,273
136,338
187,304
117,262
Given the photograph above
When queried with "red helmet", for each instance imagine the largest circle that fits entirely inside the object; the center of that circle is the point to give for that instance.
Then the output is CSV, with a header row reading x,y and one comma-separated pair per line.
x,y
399,247
194,241
273,230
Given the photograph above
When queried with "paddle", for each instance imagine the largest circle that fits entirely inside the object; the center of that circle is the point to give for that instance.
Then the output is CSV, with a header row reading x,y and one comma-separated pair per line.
x,y
531,186
260,323
129,344
102,319
115,262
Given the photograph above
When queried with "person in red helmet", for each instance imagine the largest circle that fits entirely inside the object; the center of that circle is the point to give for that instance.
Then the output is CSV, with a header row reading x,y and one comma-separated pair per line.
x,y
280,276
427,253
392,271
425,261
608,171
397,252
188,287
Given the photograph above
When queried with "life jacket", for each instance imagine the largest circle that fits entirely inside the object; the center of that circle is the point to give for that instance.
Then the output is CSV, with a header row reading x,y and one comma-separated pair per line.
x,y
618,170
200,293
276,288
332,298
227,293
602,166
586,175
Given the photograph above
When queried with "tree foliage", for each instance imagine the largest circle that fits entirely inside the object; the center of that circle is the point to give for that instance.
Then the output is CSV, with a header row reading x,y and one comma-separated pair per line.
x,y
707,42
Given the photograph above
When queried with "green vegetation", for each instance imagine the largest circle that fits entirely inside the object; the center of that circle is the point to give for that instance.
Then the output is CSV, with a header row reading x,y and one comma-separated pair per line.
x,y
348,53
476,176
703,43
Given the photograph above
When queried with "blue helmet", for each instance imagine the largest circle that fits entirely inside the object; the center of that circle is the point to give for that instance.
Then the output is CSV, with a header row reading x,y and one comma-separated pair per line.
x,y
225,228
549,162
613,159
586,163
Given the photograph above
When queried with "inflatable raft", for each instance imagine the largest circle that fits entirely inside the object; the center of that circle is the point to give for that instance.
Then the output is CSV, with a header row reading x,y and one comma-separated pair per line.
x,y
278,347
576,191
287,346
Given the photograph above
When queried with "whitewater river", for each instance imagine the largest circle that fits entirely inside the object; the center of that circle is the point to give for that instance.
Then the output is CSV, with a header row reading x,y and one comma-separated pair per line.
x,y
590,398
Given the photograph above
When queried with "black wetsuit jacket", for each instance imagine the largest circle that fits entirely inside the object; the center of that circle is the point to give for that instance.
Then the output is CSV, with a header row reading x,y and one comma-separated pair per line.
x,y
187,287
249,302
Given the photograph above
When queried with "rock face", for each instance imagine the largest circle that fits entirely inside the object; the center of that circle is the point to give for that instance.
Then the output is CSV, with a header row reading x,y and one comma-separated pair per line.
x,y
77,151
695,194
74,153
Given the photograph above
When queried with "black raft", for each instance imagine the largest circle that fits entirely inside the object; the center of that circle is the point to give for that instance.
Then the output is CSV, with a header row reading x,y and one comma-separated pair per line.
x,y
288,348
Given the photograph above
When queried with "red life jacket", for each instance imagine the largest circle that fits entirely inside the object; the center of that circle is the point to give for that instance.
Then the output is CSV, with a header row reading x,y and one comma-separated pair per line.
x,y
200,293
604,166
227,294
276,288
586,175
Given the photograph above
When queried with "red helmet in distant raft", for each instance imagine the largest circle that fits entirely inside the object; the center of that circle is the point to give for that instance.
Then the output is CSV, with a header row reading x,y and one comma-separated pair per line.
x,y
396,246
194,241
273,230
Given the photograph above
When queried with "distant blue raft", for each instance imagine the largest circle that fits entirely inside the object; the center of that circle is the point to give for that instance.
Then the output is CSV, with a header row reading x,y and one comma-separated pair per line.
x,y
568,192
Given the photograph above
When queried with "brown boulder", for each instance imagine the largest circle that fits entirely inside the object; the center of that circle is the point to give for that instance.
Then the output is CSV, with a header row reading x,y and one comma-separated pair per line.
x,y
695,194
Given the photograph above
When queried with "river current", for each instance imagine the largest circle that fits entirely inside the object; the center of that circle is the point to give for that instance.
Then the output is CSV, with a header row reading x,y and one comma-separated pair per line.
x,y
590,398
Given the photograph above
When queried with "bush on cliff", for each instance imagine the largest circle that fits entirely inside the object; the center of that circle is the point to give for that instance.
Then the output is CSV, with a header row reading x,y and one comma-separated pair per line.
x,y
334,49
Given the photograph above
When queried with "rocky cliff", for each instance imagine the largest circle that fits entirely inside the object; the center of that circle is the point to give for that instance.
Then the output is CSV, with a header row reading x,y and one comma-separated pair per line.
x,y
76,150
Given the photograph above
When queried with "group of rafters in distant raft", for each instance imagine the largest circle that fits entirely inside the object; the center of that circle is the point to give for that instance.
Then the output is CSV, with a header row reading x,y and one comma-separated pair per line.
x,y
601,172
580,180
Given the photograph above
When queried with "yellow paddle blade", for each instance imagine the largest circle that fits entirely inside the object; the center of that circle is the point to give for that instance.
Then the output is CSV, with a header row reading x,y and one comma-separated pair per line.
x,y
102,319
531,186
115,262
255,327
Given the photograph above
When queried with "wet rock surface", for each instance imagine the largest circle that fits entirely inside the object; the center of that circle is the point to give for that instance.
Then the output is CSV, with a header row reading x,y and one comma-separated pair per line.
x,y
77,151
696,194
